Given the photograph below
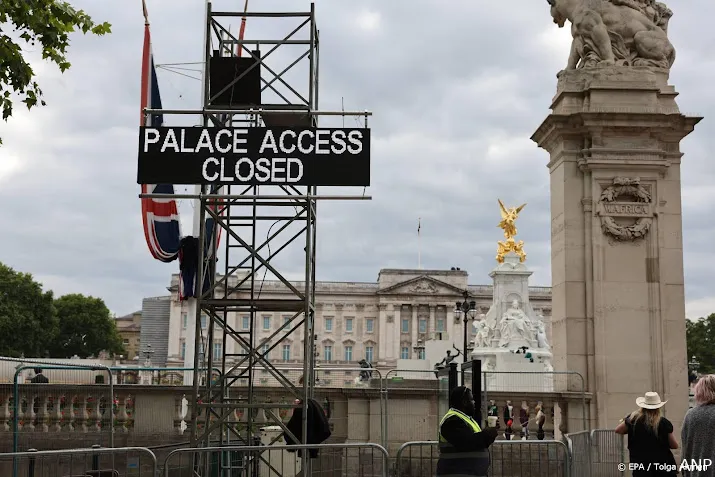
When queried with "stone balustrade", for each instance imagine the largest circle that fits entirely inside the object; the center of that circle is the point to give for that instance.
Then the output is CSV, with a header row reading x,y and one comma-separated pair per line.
x,y
63,416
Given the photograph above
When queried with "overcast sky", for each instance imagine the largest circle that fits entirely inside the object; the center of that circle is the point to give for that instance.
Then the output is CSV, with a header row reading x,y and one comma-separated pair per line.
x,y
457,91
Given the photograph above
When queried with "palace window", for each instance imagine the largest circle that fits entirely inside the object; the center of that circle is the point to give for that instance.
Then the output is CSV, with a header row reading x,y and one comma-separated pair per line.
x,y
348,353
266,322
348,324
405,353
369,325
328,353
423,325
369,354
218,348
405,325
328,324
286,352
440,325
246,322
184,320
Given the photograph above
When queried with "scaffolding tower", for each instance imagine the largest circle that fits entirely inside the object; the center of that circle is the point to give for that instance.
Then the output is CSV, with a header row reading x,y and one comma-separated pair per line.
x,y
259,227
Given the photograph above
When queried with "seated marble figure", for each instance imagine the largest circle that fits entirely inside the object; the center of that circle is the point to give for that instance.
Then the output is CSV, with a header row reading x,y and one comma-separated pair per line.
x,y
515,326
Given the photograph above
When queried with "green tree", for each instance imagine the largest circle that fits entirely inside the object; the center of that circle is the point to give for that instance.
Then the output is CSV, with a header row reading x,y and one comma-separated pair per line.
x,y
43,23
85,328
700,336
28,321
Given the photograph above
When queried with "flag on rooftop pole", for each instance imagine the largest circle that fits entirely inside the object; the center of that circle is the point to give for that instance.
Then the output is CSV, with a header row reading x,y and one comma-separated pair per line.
x,y
160,217
419,247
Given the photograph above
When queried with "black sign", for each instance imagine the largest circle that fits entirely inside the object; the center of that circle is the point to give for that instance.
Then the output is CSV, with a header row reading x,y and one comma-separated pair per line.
x,y
257,156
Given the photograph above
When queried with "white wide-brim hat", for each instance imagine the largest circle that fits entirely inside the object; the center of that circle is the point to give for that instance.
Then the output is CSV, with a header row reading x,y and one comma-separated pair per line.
x,y
651,400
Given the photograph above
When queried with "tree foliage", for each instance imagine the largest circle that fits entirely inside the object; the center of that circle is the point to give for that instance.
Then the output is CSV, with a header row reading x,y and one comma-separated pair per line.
x,y
85,328
43,23
28,319
701,343
35,324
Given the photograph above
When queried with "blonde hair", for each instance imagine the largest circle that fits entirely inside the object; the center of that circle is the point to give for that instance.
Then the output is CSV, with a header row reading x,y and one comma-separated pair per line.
x,y
704,390
651,417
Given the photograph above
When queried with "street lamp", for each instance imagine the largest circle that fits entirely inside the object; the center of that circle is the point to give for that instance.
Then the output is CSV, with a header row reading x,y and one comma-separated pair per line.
x,y
419,349
316,354
693,365
467,310
148,352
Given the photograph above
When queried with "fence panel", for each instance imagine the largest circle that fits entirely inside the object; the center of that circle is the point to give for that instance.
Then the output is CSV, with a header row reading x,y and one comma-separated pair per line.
x,y
71,407
95,462
327,460
608,450
580,448
532,391
351,398
508,459
415,401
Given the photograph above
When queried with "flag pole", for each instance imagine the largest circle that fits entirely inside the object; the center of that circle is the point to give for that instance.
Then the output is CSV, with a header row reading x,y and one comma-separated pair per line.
x,y
419,248
191,305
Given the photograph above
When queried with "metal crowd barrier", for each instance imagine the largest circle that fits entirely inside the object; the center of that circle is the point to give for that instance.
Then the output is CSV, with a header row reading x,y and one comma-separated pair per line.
x,y
508,458
607,452
596,453
94,462
347,459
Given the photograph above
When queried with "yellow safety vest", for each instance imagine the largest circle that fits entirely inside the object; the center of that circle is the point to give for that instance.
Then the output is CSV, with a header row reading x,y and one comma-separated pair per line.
x,y
453,463
453,412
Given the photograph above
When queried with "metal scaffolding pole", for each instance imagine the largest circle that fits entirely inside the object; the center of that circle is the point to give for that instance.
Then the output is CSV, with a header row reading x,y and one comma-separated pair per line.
x,y
250,229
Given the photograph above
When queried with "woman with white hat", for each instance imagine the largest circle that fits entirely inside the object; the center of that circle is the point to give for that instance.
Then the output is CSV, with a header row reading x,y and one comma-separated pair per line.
x,y
650,438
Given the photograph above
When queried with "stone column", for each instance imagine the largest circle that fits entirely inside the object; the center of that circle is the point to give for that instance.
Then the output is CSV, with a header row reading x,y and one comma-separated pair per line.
x,y
396,320
413,329
616,237
382,331
432,324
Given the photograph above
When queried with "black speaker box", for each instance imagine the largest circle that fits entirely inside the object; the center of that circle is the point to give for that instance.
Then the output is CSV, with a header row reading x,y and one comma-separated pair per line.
x,y
246,92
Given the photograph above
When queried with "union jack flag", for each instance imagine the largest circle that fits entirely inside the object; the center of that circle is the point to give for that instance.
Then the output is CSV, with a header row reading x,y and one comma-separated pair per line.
x,y
162,228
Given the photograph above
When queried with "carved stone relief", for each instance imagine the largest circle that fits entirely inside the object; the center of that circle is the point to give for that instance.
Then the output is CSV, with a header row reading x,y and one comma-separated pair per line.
x,y
423,287
613,211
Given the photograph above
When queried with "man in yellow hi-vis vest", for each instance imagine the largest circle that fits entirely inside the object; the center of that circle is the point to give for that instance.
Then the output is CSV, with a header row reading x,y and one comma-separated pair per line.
x,y
463,446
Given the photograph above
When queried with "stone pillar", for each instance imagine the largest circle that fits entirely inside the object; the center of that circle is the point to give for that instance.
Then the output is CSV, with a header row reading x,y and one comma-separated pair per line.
x,y
382,331
431,324
397,322
414,307
616,238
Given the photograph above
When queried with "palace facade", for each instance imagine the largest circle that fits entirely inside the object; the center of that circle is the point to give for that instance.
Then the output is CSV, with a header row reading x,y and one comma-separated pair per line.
x,y
380,322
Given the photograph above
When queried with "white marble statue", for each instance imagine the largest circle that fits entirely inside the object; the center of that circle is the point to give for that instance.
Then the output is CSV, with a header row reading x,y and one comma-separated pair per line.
x,y
541,340
616,32
514,325
481,334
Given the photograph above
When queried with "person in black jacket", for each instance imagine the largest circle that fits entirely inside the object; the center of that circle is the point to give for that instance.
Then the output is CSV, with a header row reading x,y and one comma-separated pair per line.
x,y
463,446
318,427
39,377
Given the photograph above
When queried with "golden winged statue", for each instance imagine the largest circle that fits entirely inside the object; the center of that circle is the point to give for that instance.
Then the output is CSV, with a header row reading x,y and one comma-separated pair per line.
x,y
508,224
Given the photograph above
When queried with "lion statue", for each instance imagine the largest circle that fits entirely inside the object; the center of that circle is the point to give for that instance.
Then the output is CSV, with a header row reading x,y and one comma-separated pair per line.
x,y
616,32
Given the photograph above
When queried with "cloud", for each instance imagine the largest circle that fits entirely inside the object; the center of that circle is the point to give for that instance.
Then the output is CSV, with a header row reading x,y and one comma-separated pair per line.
x,y
456,92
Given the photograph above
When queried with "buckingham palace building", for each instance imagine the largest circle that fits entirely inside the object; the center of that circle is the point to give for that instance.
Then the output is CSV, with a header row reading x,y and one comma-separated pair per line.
x,y
380,322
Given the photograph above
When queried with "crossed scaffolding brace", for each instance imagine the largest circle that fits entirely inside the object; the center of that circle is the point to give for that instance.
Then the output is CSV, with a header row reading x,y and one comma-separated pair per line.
x,y
286,215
